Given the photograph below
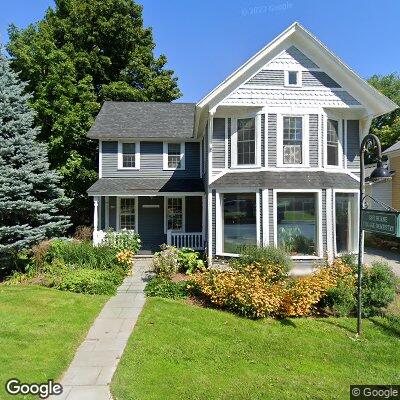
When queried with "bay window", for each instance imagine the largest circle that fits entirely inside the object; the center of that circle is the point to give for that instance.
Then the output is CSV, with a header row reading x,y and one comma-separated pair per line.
x,y
239,221
246,141
297,225
345,222
127,213
332,142
292,140
175,213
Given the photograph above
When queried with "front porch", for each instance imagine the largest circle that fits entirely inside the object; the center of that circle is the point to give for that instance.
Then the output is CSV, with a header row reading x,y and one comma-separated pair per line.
x,y
176,219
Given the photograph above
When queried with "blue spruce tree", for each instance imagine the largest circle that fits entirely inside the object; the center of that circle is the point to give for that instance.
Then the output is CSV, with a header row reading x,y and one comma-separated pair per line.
x,y
30,199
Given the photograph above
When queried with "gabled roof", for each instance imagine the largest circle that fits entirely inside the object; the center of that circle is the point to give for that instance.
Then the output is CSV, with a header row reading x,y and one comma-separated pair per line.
x,y
143,119
295,34
392,149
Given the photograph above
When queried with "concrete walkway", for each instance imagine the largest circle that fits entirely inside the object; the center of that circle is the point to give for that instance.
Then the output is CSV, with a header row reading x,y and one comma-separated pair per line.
x,y
89,375
393,259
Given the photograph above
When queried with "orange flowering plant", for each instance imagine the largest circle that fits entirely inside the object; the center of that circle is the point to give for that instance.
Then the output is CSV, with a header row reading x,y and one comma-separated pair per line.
x,y
256,291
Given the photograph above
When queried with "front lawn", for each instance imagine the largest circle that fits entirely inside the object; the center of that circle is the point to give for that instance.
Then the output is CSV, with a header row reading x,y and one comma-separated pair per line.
x,y
40,330
179,351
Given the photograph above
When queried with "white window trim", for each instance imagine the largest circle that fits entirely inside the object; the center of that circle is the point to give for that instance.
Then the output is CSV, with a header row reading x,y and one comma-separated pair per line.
x,y
118,214
319,220
305,155
219,223
299,78
137,155
183,230
257,164
356,221
340,142
165,157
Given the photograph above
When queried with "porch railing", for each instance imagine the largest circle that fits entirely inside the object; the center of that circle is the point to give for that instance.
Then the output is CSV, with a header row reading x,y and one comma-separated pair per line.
x,y
194,240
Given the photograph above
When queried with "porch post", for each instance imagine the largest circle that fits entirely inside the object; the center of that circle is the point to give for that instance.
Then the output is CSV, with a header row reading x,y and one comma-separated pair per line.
x,y
203,219
96,215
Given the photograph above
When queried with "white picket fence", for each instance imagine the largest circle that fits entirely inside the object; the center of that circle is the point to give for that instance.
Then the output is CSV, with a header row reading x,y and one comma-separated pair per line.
x,y
194,240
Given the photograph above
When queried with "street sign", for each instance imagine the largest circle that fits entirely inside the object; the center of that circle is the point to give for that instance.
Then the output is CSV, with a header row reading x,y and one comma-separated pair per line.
x,y
386,222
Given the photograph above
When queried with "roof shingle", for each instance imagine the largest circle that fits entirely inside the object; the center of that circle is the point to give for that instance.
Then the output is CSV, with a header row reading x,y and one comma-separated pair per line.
x,y
143,119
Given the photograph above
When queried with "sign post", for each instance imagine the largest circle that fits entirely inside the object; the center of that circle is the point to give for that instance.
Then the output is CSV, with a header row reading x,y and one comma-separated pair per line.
x,y
371,220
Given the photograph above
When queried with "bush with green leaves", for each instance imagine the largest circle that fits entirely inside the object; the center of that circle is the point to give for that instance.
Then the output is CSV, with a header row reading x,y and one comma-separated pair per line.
x,y
263,256
378,288
83,280
164,287
166,261
340,300
82,254
122,240
190,261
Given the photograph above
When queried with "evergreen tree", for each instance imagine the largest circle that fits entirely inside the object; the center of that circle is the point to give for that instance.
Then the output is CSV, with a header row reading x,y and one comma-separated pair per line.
x,y
80,54
30,199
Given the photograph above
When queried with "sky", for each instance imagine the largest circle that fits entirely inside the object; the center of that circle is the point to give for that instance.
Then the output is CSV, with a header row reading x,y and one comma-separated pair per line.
x,y
205,41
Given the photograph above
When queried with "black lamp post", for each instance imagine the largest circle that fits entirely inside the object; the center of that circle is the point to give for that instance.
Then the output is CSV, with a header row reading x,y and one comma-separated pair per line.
x,y
380,172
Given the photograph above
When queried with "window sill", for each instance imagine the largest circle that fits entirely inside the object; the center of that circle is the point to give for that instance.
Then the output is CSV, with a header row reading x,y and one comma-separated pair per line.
x,y
227,255
245,166
174,169
293,165
128,168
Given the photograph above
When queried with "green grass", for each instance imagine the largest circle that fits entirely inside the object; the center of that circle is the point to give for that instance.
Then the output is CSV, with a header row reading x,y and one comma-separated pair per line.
x,y
179,351
40,330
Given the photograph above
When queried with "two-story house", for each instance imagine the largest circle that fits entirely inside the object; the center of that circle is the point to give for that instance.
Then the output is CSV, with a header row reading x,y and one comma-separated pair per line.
x,y
270,156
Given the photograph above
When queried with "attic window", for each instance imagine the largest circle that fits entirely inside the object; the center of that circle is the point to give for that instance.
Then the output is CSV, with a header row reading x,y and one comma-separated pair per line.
x,y
292,78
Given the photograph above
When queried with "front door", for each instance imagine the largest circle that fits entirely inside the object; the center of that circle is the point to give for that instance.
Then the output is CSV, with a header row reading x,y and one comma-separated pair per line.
x,y
151,223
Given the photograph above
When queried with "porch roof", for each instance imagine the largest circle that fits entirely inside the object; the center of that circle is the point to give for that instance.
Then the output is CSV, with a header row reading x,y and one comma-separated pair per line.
x,y
143,186
287,180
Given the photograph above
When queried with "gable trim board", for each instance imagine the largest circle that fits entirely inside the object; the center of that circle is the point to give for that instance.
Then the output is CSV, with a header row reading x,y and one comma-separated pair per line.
x,y
295,35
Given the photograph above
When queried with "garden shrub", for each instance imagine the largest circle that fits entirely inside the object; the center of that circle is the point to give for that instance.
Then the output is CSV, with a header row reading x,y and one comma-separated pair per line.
x,y
85,280
82,254
265,257
256,292
164,287
166,261
189,261
340,300
378,288
84,233
122,240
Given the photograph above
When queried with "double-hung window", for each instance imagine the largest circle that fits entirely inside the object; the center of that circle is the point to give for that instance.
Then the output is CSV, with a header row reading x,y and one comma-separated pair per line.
x,y
332,142
292,140
128,155
246,141
127,213
174,156
175,210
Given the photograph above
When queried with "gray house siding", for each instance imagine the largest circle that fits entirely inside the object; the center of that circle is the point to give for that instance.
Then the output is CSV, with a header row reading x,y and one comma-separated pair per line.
x,y
261,216
193,213
112,215
151,161
318,78
229,141
268,78
324,230
271,140
353,144
263,140
213,221
313,148
271,216
218,143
